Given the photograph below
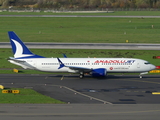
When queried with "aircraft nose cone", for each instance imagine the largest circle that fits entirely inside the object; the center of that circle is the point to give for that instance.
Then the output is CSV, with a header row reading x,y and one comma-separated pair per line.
x,y
153,67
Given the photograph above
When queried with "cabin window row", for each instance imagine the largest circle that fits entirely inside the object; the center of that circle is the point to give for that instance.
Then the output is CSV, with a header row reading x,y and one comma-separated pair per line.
x,y
88,63
66,63
116,63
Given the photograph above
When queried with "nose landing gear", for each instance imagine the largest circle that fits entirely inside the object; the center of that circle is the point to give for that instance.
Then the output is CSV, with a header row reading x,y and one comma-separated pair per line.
x,y
140,76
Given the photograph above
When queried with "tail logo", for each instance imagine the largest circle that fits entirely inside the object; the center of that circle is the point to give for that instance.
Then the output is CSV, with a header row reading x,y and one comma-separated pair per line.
x,y
19,50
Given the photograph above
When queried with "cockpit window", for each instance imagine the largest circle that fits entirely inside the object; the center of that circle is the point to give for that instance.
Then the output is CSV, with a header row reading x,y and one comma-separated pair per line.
x,y
147,63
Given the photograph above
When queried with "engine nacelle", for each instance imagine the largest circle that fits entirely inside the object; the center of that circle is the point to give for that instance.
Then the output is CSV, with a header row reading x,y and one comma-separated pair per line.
x,y
99,72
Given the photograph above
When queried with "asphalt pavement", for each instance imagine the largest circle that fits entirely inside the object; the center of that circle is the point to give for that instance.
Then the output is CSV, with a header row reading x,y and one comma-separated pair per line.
x,y
120,97
129,46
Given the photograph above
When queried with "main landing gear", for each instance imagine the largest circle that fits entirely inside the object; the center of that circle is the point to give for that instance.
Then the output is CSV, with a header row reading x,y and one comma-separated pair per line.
x,y
140,76
81,75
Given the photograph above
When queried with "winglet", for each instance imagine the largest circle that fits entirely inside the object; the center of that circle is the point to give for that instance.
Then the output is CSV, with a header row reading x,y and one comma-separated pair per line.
x,y
64,55
61,64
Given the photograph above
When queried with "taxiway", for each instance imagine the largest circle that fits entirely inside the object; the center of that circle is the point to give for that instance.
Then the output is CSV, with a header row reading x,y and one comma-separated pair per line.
x,y
127,89
113,98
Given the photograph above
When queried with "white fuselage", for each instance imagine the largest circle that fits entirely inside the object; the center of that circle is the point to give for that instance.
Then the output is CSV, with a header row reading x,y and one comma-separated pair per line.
x,y
121,65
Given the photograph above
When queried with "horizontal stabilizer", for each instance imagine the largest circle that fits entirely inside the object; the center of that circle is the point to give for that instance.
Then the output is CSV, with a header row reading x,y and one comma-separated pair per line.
x,y
16,60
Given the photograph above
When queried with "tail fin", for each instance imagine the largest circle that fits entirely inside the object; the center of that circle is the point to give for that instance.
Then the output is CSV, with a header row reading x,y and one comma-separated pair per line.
x,y
19,48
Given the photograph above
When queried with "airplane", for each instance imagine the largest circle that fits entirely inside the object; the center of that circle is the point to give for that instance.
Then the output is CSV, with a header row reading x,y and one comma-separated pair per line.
x,y
97,67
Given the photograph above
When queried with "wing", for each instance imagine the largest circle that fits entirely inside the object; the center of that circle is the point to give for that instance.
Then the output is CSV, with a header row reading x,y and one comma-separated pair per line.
x,y
80,69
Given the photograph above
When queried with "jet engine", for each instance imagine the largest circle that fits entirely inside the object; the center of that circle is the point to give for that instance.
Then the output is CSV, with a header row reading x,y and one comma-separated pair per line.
x,y
99,72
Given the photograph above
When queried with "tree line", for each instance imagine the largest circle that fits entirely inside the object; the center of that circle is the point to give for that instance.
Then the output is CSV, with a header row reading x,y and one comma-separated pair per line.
x,y
76,4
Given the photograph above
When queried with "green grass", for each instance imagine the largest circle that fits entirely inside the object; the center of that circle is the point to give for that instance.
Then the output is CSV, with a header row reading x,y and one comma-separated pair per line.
x,y
123,13
86,30
26,96
22,71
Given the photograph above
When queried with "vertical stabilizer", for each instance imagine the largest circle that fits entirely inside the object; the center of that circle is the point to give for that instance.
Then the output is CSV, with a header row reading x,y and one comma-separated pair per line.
x,y
19,49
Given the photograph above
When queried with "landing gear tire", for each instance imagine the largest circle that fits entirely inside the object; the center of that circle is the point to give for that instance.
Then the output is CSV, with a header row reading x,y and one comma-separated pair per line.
x,y
81,76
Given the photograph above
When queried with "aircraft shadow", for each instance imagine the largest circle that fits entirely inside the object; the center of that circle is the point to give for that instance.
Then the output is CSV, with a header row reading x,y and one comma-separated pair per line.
x,y
105,78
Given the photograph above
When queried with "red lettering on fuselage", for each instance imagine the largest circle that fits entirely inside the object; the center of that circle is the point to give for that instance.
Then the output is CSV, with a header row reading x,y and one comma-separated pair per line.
x,y
110,61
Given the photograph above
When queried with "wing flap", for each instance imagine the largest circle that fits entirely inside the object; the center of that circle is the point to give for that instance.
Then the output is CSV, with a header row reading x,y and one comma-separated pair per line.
x,y
79,68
